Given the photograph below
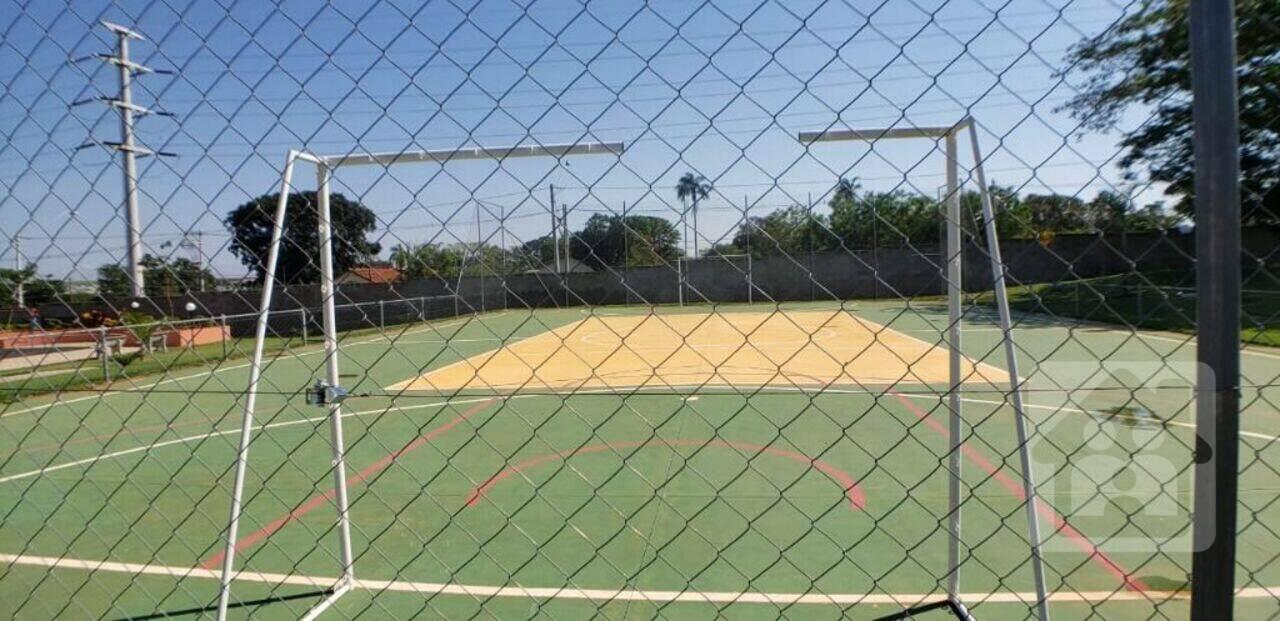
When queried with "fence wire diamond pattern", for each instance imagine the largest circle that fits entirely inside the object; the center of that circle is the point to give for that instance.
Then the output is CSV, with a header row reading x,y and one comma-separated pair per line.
x,y
557,309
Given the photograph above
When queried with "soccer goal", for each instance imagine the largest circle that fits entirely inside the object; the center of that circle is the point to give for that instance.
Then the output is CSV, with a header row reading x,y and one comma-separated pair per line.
x,y
950,137
328,392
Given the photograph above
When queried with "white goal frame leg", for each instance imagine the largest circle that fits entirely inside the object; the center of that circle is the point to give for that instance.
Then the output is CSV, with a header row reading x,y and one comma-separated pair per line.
x,y
325,166
328,290
251,395
333,375
953,270
998,274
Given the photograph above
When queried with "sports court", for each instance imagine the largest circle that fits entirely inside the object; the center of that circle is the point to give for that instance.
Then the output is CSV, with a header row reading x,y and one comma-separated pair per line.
x,y
950,310
735,350
654,487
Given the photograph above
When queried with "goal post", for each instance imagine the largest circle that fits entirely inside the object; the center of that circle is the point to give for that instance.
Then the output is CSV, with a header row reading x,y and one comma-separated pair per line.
x,y
953,274
329,393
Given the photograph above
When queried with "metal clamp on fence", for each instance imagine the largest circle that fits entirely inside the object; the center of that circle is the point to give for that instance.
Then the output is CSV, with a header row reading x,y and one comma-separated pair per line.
x,y
322,394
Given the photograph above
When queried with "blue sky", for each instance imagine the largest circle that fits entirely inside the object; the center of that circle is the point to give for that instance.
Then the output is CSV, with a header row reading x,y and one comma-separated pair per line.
x,y
719,88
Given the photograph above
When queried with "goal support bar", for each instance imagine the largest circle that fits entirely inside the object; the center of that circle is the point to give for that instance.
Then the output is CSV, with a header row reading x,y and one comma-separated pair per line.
x,y
953,273
325,167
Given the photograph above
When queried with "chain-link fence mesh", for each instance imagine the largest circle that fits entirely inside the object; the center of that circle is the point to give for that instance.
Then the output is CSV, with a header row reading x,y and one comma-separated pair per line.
x,y
624,310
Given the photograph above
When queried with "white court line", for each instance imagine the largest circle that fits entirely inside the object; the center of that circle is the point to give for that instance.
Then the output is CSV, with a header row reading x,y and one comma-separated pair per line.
x,y
609,595
221,432
201,436
1063,408
317,349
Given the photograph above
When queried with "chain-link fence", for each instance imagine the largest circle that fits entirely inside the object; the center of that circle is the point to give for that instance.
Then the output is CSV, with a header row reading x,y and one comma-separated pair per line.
x,y
629,310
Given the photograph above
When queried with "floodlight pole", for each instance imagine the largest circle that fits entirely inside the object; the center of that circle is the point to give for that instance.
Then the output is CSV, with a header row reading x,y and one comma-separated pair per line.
x,y
555,229
19,292
954,274
328,288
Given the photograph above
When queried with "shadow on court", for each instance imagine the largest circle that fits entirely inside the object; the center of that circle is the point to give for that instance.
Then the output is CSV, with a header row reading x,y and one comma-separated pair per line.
x,y
212,608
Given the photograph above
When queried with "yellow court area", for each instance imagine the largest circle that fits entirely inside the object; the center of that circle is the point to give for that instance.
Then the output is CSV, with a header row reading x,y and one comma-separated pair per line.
x,y
800,349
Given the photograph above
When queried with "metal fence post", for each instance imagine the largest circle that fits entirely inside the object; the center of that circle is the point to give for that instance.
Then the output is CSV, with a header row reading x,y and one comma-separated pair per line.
x,y
226,333
303,312
104,353
1217,203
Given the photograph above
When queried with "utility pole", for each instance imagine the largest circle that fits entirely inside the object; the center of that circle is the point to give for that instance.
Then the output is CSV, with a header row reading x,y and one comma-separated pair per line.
x,y
695,225
555,229
564,280
751,282
128,148
811,235
134,222
20,293
564,222
196,246
480,254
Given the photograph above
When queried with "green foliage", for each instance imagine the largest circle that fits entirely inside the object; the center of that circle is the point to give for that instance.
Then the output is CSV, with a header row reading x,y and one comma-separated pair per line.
x,y
884,219
484,260
427,260
615,241
35,290
693,188
1144,61
792,230
251,225
141,325
161,278
535,254
113,281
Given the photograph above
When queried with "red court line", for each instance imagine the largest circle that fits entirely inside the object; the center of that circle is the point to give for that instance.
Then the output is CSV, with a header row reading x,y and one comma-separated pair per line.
x,y
857,498
319,499
1078,539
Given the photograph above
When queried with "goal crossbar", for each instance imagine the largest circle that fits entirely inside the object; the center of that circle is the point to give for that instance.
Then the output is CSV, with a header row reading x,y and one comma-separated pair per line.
x,y
953,274
325,165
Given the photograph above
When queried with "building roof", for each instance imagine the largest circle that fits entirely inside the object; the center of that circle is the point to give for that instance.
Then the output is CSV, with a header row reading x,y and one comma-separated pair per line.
x,y
375,274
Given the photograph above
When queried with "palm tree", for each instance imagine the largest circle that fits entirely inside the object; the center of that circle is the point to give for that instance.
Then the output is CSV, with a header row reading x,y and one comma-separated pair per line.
x,y
695,188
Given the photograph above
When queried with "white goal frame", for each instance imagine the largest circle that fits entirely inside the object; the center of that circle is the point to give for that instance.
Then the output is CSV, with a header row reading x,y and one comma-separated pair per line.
x,y
953,274
325,166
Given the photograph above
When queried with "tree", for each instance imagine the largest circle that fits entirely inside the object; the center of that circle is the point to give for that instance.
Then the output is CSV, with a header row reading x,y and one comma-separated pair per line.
x,y
1013,216
251,225
693,188
1056,213
883,219
35,290
484,260
791,231
1144,60
427,261
615,241
167,278
161,277
113,281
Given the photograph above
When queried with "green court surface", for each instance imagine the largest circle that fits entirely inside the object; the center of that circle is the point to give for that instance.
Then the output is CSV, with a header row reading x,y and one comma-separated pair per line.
x,y
742,502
